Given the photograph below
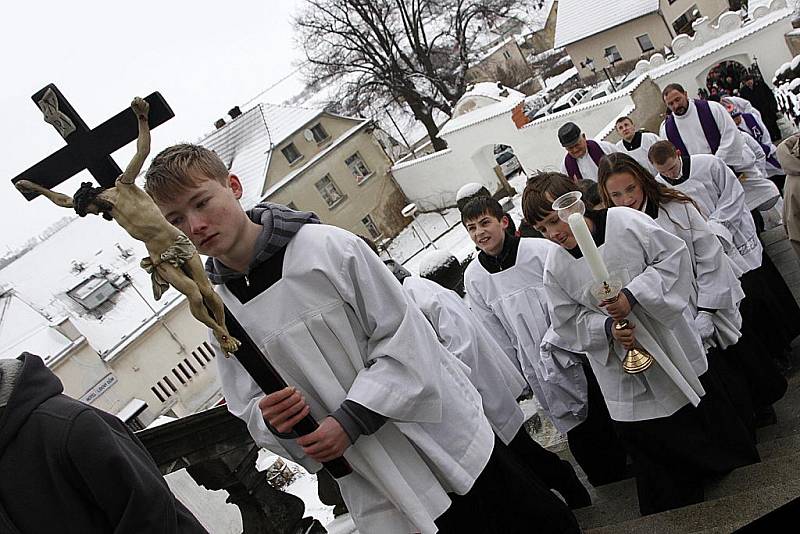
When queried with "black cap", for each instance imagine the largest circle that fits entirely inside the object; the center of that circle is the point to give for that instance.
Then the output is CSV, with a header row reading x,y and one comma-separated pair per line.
x,y
569,134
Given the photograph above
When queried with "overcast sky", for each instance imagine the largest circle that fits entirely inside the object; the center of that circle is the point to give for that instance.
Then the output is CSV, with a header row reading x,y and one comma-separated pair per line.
x,y
203,56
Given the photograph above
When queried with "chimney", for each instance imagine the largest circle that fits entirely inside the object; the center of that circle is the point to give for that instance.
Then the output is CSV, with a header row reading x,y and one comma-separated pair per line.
x,y
235,112
219,123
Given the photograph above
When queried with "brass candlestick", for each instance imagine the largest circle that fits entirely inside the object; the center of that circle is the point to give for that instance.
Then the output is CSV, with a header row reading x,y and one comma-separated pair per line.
x,y
637,359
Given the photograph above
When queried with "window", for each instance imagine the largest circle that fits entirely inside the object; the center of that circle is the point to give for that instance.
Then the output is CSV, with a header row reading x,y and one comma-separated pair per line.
x,y
506,54
372,228
319,133
328,190
358,167
291,153
683,24
612,55
645,43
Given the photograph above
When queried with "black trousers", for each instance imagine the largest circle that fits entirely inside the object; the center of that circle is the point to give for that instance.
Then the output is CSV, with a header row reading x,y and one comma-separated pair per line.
x,y
505,499
673,456
594,443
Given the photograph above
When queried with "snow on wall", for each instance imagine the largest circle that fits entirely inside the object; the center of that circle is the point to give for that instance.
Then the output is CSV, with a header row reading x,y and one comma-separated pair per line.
x,y
431,182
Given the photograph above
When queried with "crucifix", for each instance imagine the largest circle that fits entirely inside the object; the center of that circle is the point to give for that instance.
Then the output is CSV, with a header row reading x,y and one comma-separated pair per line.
x,y
86,148
172,259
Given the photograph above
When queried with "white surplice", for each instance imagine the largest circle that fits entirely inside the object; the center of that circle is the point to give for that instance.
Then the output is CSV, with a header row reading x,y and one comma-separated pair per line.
x,y
640,153
586,164
655,267
720,197
716,286
512,305
338,326
462,334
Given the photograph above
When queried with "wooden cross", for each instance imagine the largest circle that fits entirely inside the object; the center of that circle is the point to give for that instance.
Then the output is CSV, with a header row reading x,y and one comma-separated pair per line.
x,y
86,148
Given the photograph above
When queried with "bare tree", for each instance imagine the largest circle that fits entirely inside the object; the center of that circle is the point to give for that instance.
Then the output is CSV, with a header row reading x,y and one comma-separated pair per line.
x,y
413,52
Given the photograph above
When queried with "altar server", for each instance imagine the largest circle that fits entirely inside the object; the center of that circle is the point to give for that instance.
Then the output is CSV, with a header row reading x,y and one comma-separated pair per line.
x,y
498,382
635,143
504,287
357,355
770,309
678,427
716,294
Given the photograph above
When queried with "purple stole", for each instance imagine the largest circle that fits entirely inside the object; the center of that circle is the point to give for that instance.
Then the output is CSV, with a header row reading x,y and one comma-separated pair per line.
x,y
755,132
707,122
595,152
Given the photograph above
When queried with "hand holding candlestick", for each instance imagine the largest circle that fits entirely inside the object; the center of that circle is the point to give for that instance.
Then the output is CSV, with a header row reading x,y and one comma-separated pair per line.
x,y
571,209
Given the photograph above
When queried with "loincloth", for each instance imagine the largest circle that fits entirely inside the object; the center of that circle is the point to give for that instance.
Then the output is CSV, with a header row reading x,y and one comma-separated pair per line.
x,y
178,253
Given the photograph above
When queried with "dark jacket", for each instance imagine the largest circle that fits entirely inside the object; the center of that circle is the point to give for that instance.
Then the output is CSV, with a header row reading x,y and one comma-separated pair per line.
x,y
67,467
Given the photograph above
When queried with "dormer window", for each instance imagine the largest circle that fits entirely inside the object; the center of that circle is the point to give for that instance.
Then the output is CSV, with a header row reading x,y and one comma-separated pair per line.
x,y
291,153
319,133
92,292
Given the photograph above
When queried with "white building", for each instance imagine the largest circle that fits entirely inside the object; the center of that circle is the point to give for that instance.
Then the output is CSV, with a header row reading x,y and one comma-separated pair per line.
x,y
80,301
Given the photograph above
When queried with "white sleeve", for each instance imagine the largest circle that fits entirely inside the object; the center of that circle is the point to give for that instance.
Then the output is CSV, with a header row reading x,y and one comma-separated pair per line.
x,y
730,144
563,167
608,148
730,202
404,360
663,288
578,328
717,285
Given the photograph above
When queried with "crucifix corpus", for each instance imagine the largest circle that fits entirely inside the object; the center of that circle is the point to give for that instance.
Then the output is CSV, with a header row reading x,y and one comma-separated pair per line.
x,y
172,258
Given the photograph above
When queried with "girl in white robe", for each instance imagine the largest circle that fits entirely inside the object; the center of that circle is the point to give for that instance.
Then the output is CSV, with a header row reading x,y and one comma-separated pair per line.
x,y
337,327
507,295
498,382
717,293
660,411
770,309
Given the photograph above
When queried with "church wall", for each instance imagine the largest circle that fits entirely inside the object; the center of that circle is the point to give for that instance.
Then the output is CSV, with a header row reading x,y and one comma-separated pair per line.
x,y
432,181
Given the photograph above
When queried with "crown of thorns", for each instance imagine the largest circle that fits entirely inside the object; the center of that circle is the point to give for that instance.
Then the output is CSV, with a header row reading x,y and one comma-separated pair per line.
x,y
85,196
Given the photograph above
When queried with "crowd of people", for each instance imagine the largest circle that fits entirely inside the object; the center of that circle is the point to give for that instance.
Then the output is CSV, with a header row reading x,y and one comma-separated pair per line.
x,y
418,388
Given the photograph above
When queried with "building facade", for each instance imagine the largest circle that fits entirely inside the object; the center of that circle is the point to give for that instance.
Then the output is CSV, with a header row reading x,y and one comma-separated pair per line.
x,y
87,309
626,30
316,161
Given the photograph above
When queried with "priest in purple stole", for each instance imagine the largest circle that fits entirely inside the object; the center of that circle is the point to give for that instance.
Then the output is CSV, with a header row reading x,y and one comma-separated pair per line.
x,y
583,155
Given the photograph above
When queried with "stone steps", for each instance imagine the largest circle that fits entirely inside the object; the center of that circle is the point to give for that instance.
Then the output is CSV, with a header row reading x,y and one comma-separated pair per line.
x,y
731,502
724,514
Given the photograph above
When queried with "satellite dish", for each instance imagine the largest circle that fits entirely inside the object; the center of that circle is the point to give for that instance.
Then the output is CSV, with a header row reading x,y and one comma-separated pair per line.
x,y
308,134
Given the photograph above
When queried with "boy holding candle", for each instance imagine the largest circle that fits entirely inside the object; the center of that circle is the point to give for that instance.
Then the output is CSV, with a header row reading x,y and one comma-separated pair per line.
x,y
505,290
673,423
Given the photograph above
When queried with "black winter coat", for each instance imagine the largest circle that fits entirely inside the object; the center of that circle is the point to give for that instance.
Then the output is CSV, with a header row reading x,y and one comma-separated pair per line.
x,y
67,467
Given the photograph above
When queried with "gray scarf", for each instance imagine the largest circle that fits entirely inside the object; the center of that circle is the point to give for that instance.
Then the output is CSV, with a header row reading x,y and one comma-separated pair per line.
x,y
280,225
9,369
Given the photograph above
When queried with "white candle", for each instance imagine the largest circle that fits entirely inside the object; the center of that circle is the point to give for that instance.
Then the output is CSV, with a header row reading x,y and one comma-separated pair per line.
x,y
589,250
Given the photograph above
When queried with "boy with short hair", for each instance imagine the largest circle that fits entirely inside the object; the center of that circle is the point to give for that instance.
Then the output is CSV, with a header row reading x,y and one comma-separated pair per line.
x,y
505,289
361,359
635,143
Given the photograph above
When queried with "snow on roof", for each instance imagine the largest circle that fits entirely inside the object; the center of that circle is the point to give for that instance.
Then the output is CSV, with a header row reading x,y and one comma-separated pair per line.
x,y
480,115
434,260
559,79
578,19
245,144
484,94
42,277
468,190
